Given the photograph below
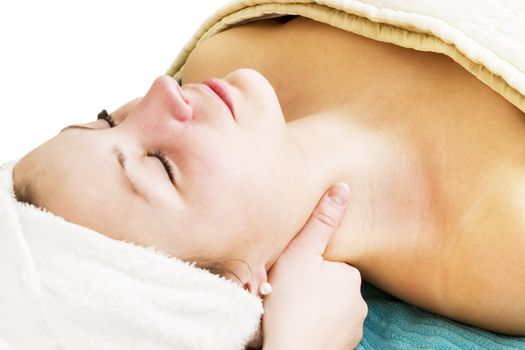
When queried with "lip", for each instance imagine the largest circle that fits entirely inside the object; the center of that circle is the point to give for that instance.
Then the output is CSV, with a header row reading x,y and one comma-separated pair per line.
x,y
220,88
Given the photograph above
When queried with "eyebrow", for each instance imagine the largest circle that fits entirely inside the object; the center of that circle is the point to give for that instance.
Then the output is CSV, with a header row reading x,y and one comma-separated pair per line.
x,y
121,157
77,127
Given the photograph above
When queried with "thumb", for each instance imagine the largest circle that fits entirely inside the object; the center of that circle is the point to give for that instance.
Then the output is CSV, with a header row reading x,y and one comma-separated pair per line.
x,y
323,222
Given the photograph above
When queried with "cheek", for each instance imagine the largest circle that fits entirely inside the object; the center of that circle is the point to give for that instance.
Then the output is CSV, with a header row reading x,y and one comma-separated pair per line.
x,y
221,189
217,167
245,186
211,185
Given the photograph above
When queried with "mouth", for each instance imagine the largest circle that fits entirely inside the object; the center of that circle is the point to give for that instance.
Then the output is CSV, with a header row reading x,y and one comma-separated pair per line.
x,y
220,88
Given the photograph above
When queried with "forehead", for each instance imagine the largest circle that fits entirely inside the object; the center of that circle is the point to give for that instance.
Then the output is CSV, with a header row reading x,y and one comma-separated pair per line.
x,y
62,164
78,178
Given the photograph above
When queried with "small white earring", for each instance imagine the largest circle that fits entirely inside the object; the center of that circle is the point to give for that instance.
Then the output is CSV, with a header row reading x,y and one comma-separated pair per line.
x,y
265,288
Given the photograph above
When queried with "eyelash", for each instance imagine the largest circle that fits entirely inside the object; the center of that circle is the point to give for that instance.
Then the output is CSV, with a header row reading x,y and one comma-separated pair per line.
x,y
162,157
107,117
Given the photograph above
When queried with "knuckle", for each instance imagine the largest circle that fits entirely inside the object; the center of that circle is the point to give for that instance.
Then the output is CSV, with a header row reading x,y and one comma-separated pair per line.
x,y
327,217
354,274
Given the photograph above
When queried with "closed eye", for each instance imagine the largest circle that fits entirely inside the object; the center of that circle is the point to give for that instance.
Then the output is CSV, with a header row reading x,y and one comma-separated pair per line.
x,y
167,165
157,154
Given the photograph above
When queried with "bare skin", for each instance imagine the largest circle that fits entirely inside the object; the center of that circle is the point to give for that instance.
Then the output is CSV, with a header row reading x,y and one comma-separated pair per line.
x,y
434,159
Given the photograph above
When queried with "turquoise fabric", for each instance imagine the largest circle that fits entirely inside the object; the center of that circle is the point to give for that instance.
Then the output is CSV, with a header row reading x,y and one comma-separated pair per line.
x,y
393,324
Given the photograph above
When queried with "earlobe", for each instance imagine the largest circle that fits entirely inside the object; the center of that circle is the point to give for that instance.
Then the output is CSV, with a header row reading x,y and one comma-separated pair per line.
x,y
257,279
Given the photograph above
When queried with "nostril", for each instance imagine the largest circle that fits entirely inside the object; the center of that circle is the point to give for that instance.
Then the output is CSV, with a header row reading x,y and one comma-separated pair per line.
x,y
185,98
179,104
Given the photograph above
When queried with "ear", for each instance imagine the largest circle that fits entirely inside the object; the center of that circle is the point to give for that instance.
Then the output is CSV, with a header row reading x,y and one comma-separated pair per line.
x,y
257,277
123,111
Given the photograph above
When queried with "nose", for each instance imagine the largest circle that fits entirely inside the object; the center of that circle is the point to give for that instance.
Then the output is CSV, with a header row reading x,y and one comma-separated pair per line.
x,y
169,96
160,115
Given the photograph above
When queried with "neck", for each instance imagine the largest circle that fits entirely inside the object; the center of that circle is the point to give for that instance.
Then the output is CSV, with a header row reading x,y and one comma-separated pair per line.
x,y
339,147
320,161
390,189
324,141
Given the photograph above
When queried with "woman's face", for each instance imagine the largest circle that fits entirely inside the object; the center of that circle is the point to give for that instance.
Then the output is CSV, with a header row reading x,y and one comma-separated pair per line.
x,y
235,178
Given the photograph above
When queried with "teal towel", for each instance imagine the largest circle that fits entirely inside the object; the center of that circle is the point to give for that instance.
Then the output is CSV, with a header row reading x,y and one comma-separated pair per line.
x,y
393,324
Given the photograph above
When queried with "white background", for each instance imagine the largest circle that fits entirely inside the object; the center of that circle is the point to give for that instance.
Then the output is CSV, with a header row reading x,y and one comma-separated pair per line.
x,y
61,62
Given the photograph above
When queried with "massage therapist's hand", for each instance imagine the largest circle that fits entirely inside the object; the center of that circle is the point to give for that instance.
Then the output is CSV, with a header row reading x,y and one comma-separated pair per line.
x,y
314,304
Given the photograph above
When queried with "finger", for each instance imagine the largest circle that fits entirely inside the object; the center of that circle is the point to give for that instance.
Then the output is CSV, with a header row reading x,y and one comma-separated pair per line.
x,y
323,222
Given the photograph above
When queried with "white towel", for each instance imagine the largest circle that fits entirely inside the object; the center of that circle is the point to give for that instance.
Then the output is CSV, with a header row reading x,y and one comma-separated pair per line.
x,y
63,286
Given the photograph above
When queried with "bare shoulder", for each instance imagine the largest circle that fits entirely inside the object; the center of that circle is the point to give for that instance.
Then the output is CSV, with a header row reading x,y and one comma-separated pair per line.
x,y
482,259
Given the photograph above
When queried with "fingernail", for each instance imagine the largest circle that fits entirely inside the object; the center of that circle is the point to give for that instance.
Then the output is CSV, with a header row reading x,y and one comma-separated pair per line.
x,y
339,194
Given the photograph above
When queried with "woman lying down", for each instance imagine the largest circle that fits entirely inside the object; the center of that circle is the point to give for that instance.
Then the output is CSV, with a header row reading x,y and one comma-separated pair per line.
x,y
222,171
116,295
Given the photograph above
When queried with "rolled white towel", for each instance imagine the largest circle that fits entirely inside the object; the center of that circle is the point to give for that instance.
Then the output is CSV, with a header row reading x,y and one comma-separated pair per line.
x,y
64,286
